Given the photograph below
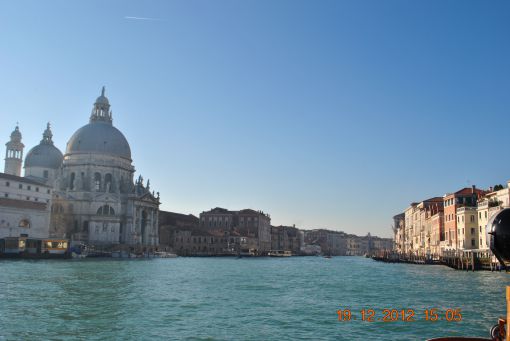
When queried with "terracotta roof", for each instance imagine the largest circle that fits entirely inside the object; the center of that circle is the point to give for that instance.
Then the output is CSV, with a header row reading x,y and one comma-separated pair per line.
x,y
434,199
21,179
467,190
22,204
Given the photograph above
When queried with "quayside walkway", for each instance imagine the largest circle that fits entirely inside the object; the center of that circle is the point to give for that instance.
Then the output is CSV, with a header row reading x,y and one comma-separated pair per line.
x,y
472,260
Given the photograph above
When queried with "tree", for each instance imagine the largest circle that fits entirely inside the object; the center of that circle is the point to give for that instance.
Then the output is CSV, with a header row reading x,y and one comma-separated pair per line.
x,y
498,187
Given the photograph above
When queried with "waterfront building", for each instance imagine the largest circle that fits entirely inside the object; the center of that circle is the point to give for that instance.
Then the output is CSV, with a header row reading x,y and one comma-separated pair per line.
x,y
484,204
219,218
353,246
333,243
170,222
503,196
253,226
381,244
24,207
93,197
398,232
409,228
24,203
464,197
257,226
488,205
363,245
418,225
285,238
437,231
199,242
425,210
467,228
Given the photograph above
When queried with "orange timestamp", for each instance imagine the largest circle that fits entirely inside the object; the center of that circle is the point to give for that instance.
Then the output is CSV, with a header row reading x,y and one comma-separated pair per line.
x,y
402,315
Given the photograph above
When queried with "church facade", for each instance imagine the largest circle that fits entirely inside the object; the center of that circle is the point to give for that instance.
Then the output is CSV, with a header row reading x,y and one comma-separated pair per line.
x,y
95,199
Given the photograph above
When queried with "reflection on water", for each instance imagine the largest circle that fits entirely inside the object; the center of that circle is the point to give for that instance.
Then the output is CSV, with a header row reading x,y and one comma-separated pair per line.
x,y
234,299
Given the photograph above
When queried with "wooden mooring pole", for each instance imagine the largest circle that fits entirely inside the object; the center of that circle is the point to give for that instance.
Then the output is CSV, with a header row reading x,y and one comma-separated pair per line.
x,y
507,327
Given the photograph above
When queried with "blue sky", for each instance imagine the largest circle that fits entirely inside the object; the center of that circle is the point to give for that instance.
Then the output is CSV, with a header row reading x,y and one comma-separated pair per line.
x,y
333,114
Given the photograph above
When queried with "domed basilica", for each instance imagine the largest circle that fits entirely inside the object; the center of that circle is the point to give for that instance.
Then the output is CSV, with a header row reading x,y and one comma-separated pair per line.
x,y
95,199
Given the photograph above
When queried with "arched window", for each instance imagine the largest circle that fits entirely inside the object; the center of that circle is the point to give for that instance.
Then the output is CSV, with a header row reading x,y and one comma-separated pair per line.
x,y
71,182
108,182
105,210
97,182
25,223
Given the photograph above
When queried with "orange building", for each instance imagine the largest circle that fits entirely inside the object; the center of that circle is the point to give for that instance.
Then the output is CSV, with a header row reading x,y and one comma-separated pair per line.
x,y
467,196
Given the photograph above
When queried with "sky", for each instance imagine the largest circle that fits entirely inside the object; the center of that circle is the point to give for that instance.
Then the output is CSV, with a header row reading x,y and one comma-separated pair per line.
x,y
324,114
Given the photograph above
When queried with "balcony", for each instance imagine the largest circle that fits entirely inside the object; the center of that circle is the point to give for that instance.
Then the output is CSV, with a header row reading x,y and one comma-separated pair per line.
x,y
465,209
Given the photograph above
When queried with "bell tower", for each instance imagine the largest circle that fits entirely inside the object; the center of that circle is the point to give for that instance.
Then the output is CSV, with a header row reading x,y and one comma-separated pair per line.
x,y
14,154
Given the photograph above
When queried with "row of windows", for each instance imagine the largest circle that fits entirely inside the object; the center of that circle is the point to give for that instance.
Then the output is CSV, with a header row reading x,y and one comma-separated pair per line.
x,y
208,240
472,230
471,219
220,223
228,218
25,223
480,214
460,200
6,195
448,202
105,228
108,182
105,210
473,242
28,187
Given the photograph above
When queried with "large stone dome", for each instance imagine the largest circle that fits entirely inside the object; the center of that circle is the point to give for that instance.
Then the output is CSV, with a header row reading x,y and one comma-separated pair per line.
x,y
44,155
99,137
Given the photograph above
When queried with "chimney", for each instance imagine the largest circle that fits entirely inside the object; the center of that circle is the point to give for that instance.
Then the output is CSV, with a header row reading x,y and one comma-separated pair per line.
x,y
491,189
473,189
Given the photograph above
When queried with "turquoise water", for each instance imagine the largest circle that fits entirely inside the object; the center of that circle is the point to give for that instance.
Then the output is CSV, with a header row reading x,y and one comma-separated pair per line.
x,y
239,299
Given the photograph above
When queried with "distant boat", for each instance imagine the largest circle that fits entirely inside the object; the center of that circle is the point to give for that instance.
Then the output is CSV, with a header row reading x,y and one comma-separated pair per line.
x,y
162,254
279,253
327,256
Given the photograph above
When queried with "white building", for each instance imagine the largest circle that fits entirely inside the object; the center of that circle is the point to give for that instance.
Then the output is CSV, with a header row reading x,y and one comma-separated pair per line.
x,y
94,198
24,207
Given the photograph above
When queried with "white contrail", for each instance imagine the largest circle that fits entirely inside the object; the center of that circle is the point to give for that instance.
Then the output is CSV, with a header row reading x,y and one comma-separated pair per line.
x,y
142,18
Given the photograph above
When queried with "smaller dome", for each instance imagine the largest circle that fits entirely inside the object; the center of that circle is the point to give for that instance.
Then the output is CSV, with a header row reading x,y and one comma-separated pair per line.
x,y
45,156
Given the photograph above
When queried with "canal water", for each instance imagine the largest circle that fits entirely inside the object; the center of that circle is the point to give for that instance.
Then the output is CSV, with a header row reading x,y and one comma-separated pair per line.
x,y
293,298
